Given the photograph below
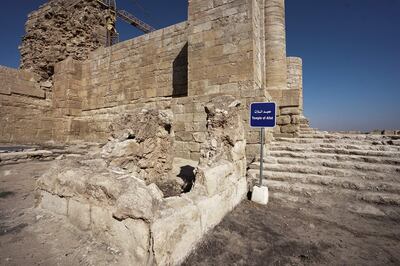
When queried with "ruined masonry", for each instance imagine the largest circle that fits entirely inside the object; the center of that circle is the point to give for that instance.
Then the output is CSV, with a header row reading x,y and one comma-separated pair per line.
x,y
225,48
159,125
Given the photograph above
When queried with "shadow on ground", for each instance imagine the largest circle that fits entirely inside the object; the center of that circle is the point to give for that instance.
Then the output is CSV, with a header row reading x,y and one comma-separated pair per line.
x,y
295,234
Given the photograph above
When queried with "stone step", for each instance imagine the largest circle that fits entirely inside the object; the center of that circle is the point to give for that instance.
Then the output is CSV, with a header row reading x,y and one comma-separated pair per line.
x,y
323,135
337,140
348,146
307,130
305,192
317,162
335,157
393,154
330,181
326,171
26,155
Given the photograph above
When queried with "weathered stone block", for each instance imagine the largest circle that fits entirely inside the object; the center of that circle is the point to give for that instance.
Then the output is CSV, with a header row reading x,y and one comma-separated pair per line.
x,y
290,128
296,119
176,231
289,111
79,214
130,236
199,137
53,203
283,120
183,136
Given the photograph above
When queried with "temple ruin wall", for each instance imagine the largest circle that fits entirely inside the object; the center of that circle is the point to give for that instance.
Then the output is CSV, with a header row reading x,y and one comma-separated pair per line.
x,y
225,48
59,29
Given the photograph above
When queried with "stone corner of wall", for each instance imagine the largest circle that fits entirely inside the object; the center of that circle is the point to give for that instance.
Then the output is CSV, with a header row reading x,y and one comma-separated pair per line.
x,y
294,59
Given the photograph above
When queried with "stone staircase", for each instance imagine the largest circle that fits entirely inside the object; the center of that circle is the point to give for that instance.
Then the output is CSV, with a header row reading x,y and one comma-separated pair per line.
x,y
321,167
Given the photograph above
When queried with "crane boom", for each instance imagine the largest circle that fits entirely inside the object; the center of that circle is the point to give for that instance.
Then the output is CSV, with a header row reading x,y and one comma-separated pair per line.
x,y
128,17
131,19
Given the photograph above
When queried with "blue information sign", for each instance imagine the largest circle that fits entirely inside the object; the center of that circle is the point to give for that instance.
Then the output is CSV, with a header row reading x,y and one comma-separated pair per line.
x,y
263,115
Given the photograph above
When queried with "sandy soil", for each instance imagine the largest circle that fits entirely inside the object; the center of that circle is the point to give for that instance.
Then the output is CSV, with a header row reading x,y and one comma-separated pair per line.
x,y
343,233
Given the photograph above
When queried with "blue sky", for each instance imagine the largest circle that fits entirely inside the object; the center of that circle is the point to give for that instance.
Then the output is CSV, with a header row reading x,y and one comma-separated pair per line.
x,y
350,51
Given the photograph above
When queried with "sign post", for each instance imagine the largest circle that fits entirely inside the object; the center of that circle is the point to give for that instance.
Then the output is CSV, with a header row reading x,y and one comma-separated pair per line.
x,y
262,115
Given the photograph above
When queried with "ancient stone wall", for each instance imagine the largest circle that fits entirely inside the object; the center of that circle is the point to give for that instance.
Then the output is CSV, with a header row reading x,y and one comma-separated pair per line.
x,y
275,45
59,29
225,48
23,107
153,65
258,15
295,77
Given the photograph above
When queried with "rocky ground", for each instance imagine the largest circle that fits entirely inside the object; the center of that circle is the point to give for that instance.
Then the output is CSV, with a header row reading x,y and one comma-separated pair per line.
x,y
282,233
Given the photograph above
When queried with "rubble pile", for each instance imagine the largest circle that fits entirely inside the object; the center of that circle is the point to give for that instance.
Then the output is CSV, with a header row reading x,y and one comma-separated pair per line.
x,y
59,29
141,144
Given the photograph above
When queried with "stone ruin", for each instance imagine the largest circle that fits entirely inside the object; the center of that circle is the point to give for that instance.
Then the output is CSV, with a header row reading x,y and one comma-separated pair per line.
x,y
120,192
166,114
61,29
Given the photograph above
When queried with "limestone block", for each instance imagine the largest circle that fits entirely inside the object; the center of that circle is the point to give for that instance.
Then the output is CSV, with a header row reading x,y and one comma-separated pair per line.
x,y
132,237
193,146
176,231
200,126
79,214
53,203
198,117
183,136
252,136
289,111
179,126
283,120
136,202
290,97
238,151
296,119
195,156
212,210
213,177
28,89
5,89
199,137
155,192
290,129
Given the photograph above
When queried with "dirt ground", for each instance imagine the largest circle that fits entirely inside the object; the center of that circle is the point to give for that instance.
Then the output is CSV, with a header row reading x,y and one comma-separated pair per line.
x,y
295,234
29,236
342,233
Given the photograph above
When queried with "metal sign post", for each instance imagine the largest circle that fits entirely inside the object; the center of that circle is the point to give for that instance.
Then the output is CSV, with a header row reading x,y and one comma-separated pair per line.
x,y
262,115
261,155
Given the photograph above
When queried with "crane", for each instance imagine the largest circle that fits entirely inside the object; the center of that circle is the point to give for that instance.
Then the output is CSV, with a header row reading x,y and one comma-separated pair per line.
x,y
112,35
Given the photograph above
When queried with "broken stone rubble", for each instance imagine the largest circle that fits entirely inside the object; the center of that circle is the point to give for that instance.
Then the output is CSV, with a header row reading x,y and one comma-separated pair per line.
x,y
122,204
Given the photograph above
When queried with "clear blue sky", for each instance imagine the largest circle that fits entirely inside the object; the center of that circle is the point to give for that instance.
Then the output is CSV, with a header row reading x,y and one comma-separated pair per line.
x,y
350,49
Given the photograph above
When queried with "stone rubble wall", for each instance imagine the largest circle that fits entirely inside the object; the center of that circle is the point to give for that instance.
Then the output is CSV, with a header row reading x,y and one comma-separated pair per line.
x,y
58,30
118,207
